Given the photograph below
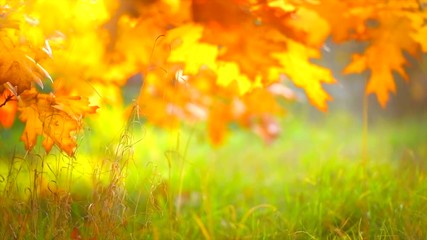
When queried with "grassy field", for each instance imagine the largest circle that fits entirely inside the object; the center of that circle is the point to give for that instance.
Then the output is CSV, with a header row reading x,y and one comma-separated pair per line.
x,y
138,182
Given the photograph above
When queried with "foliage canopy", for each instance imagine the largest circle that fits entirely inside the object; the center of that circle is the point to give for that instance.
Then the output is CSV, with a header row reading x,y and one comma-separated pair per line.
x,y
217,61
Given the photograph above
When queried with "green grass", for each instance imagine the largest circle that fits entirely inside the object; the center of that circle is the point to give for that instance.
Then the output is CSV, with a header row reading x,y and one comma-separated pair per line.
x,y
144,183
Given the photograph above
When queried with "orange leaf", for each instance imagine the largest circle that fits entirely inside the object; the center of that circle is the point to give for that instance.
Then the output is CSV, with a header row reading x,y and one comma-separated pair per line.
x,y
298,23
219,12
421,37
346,18
385,54
218,124
8,109
17,70
75,234
381,81
56,119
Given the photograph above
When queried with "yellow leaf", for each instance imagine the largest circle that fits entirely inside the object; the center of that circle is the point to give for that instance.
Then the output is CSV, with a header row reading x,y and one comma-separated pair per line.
x,y
187,48
297,66
421,37
229,72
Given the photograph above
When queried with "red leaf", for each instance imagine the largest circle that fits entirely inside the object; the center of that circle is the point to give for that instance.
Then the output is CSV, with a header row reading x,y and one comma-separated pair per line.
x,y
75,234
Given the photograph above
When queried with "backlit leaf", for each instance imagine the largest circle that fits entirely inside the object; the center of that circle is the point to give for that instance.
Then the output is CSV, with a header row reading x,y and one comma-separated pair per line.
x,y
8,109
385,54
297,66
57,119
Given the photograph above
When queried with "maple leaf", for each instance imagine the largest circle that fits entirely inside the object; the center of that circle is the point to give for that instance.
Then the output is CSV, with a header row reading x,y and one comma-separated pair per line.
x,y
17,70
247,59
389,27
8,109
238,65
227,13
385,54
187,48
350,23
252,54
296,64
292,21
218,118
199,59
421,37
58,120
229,72
238,39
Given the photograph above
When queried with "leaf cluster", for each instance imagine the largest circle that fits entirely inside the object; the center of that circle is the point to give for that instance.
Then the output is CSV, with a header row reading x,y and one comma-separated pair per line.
x,y
216,61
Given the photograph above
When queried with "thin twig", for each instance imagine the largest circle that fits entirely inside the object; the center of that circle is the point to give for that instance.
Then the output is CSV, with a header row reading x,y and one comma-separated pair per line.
x,y
8,98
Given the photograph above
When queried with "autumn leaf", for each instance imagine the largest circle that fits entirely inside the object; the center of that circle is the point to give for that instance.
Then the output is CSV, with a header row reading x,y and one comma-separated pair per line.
x,y
187,48
17,70
75,234
421,37
219,116
226,13
240,41
350,23
297,66
385,54
228,72
199,60
57,119
293,21
8,109
243,50
381,81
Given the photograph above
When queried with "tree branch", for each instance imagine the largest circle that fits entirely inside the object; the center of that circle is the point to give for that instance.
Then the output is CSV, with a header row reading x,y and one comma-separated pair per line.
x,y
8,98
